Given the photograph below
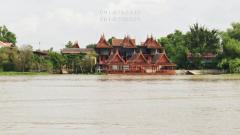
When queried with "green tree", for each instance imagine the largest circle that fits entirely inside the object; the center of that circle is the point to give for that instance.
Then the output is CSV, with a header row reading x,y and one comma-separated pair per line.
x,y
88,62
24,58
69,44
234,65
229,59
110,40
57,61
8,58
41,64
201,40
91,46
232,48
7,36
234,32
176,48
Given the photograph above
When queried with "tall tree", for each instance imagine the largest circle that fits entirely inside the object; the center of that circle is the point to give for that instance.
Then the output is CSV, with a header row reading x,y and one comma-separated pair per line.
x,y
202,40
110,40
176,48
6,35
25,58
230,58
69,44
57,61
234,32
91,46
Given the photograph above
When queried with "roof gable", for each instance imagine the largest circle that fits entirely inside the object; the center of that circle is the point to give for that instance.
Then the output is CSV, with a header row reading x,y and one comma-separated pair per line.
x,y
127,42
102,43
151,43
116,42
138,58
160,59
115,58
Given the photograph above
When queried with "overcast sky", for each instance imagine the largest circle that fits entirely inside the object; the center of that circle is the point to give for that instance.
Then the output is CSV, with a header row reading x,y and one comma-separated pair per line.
x,y
54,22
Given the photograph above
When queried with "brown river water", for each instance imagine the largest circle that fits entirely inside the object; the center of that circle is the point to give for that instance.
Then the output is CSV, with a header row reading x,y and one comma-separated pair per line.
x,y
120,105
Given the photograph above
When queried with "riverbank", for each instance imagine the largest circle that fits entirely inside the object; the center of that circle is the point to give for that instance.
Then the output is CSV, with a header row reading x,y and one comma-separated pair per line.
x,y
178,72
41,73
201,72
23,73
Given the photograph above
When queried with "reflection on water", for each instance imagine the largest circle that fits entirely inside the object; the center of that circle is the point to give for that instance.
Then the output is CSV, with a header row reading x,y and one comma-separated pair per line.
x,y
120,105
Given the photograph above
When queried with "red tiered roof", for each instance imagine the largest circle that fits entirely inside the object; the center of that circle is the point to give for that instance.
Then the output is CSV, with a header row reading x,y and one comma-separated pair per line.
x,y
137,58
102,43
161,59
127,42
151,43
115,58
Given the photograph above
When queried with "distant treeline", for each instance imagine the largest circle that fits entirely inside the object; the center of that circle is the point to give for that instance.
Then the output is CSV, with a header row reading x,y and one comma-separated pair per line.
x,y
198,41
23,59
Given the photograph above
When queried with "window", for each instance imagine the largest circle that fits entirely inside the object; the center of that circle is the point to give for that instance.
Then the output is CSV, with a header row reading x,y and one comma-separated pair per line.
x,y
126,67
114,67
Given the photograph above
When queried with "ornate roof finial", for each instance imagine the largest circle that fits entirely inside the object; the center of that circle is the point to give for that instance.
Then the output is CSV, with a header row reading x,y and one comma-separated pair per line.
x,y
111,53
134,52
151,36
117,52
164,51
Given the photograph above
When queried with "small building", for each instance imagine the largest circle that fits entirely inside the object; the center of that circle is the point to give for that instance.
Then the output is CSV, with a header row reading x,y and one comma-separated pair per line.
x,y
43,53
122,56
74,50
205,57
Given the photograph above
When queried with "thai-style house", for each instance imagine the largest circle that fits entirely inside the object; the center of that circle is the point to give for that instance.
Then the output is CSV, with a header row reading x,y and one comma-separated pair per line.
x,y
122,56
73,50
43,53
76,50
204,57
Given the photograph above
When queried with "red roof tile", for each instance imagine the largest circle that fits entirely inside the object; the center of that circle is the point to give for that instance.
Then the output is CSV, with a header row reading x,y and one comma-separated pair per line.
x,y
151,43
115,56
138,58
102,43
71,51
127,42
5,44
161,59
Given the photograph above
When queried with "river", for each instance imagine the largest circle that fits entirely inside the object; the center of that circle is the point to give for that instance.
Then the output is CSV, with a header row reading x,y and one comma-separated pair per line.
x,y
120,105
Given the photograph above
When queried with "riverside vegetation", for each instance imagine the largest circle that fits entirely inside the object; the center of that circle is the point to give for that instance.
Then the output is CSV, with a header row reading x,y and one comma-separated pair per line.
x,y
197,41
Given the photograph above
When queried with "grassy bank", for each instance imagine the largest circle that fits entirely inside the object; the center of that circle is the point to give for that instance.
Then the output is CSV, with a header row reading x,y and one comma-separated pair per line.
x,y
22,73
40,73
